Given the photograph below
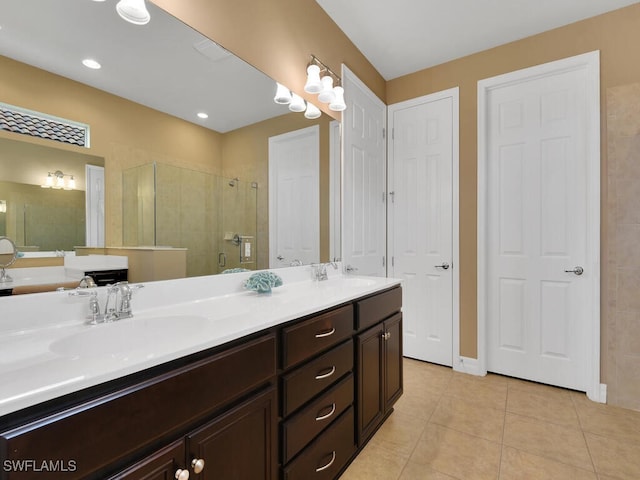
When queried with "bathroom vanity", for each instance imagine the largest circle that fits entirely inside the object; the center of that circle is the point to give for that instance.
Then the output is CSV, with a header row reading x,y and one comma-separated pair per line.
x,y
283,386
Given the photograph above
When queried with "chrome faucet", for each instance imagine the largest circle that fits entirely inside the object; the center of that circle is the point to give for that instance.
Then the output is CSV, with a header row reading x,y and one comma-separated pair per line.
x,y
123,292
320,270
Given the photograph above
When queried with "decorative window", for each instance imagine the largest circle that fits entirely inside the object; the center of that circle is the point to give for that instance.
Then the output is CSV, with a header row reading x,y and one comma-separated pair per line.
x,y
36,124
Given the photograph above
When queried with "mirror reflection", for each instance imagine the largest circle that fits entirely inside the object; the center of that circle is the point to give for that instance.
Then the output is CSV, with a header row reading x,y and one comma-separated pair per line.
x,y
197,74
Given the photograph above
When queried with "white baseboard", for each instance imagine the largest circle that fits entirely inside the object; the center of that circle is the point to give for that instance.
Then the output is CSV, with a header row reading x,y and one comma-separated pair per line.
x,y
468,365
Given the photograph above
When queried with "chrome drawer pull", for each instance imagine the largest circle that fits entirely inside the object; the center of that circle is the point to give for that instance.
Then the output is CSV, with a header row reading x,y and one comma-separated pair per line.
x,y
324,417
325,375
333,459
326,334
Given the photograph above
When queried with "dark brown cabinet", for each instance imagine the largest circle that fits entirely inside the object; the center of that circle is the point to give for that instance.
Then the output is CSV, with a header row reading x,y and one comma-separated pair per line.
x,y
379,362
317,430
241,444
290,403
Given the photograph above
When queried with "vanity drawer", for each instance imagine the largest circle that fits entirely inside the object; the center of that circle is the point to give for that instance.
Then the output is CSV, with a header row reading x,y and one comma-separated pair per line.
x,y
306,338
307,381
308,423
378,307
328,454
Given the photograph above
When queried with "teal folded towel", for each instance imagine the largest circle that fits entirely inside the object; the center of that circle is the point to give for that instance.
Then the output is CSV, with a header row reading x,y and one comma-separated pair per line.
x,y
262,282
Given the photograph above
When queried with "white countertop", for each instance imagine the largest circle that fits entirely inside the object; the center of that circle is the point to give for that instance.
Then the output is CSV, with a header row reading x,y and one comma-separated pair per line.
x,y
45,355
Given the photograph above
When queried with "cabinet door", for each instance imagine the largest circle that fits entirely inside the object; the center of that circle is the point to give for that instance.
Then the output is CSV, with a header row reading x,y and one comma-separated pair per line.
x,y
240,444
393,360
162,465
370,401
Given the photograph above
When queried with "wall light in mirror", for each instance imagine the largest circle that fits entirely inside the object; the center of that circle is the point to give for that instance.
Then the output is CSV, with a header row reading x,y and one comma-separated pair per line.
x,y
3,206
57,181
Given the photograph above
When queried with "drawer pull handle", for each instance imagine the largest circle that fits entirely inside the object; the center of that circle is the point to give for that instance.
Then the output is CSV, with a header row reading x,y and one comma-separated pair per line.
x,y
326,334
324,467
324,417
182,474
331,371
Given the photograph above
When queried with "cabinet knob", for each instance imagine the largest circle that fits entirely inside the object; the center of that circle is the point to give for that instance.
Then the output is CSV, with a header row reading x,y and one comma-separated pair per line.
x,y
182,474
197,464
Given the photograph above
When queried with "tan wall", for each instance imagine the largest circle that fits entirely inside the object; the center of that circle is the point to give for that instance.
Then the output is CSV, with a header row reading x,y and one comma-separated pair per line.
x,y
126,134
617,36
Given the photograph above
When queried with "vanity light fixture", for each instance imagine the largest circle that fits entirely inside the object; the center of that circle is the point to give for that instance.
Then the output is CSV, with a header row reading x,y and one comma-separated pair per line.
x,y
297,103
283,95
312,111
321,80
133,11
56,180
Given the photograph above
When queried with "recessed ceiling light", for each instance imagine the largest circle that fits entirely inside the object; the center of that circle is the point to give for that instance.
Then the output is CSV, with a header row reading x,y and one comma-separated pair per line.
x,y
203,115
90,63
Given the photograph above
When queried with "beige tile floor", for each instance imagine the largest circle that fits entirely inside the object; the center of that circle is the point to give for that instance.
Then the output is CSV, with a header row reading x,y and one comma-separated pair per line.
x,y
450,425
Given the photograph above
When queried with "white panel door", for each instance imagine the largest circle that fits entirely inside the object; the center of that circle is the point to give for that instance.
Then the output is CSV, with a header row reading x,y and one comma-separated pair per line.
x,y
421,161
364,177
537,275
294,204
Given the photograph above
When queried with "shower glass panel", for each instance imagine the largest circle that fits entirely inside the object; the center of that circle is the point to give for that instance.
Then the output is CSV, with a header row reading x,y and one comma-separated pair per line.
x,y
194,210
138,206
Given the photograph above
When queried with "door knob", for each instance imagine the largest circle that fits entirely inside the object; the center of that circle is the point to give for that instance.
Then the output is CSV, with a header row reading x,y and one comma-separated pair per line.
x,y
578,270
280,257
444,266
350,269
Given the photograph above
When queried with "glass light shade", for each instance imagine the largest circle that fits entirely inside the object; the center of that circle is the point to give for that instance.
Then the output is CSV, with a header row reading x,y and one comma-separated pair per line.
x,y
327,95
59,181
313,85
312,111
72,184
283,95
297,103
338,104
133,11
48,183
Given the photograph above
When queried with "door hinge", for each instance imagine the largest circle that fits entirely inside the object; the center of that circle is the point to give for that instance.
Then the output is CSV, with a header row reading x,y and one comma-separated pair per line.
x,y
384,133
384,197
383,261
393,134
393,197
393,261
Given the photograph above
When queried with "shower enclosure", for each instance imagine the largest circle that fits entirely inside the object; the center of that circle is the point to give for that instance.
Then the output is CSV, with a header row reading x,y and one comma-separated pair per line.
x,y
214,218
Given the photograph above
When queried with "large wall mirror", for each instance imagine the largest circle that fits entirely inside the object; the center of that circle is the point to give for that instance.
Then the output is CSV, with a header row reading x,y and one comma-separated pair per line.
x,y
214,205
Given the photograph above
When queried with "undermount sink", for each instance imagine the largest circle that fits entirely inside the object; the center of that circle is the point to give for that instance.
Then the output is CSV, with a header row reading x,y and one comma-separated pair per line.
x,y
132,338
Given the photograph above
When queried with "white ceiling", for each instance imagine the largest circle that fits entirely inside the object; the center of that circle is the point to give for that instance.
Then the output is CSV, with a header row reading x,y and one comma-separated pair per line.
x,y
403,36
169,67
